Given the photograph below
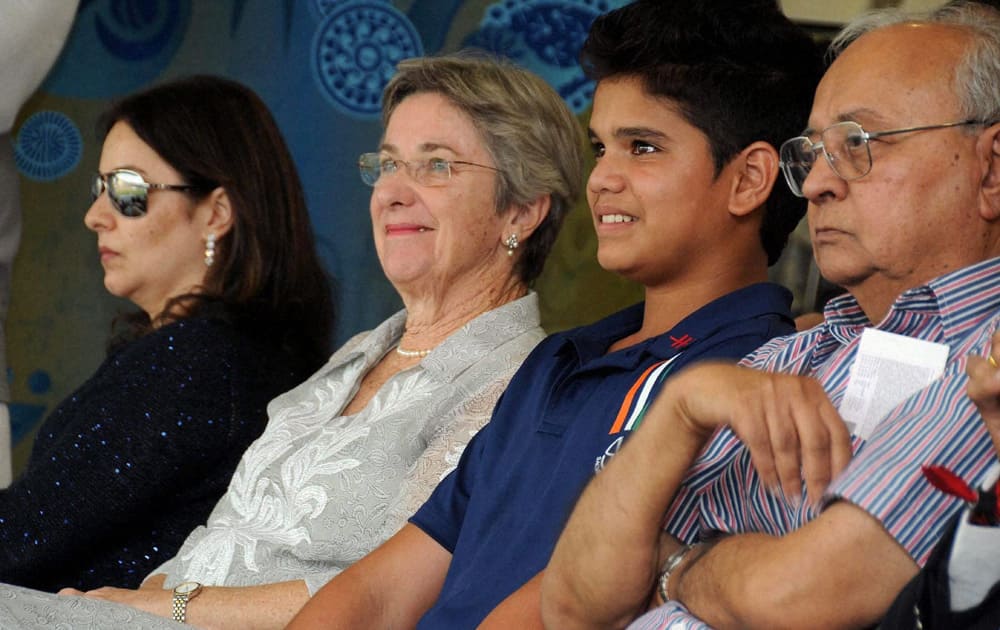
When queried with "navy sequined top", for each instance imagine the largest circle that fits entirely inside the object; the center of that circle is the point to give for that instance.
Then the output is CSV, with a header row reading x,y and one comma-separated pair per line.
x,y
125,468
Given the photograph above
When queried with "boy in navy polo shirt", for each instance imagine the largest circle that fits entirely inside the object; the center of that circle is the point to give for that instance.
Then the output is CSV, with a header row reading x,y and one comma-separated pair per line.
x,y
691,101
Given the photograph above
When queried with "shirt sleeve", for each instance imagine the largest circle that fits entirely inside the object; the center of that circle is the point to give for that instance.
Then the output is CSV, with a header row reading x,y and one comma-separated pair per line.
x,y
682,519
671,615
444,450
939,425
441,516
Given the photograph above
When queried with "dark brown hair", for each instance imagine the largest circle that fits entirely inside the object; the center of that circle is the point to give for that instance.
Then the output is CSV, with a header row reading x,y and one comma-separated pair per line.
x,y
267,277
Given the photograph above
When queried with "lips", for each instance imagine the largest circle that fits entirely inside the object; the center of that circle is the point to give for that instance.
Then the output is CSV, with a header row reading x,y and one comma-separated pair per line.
x,y
827,231
403,229
608,214
106,253
616,218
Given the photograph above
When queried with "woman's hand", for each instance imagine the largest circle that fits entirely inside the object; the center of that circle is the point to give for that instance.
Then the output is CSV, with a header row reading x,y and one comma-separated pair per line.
x,y
153,600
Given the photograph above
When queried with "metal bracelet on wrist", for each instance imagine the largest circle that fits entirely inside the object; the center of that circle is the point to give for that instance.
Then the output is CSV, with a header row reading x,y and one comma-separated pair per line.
x,y
672,562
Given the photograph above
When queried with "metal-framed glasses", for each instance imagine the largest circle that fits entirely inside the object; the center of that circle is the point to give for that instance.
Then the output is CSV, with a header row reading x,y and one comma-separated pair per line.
x,y
430,172
845,147
128,191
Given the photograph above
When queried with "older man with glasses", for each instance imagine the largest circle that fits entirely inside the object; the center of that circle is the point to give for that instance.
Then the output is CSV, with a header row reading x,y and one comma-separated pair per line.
x,y
904,213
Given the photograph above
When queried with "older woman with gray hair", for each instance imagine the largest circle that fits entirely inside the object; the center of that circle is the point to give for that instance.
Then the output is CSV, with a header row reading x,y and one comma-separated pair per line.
x,y
479,163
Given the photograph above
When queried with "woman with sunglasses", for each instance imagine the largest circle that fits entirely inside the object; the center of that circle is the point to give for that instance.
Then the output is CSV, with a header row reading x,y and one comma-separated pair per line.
x,y
201,223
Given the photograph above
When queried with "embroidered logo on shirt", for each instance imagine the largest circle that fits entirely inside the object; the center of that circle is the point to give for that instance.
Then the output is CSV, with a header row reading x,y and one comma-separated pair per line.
x,y
683,341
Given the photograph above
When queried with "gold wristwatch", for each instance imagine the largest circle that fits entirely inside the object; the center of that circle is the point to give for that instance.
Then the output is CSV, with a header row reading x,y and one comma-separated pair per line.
x,y
183,593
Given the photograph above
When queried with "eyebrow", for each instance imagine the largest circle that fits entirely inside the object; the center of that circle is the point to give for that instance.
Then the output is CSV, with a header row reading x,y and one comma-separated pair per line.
x,y
124,167
643,133
855,115
425,147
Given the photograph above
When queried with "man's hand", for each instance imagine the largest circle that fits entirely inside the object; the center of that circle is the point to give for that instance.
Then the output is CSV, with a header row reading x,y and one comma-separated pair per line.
x,y
787,422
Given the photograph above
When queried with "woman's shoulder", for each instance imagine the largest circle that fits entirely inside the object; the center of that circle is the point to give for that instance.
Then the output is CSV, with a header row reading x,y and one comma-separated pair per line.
x,y
199,343
192,334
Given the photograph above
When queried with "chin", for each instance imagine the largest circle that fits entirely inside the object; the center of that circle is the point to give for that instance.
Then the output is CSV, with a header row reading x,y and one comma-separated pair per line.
x,y
116,289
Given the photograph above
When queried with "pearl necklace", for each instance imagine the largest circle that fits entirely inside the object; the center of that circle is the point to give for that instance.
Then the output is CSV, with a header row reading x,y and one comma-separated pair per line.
x,y
412,353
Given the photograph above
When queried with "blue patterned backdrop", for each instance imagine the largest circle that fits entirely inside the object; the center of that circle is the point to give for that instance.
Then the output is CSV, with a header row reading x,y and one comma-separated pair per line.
x,y
320,65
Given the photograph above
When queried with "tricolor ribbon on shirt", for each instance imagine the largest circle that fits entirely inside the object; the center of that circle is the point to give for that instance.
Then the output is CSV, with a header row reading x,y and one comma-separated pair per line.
x,y
637,399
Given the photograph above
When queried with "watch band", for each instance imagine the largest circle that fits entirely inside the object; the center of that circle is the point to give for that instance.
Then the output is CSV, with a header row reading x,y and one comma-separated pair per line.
x,y
184,593
673,561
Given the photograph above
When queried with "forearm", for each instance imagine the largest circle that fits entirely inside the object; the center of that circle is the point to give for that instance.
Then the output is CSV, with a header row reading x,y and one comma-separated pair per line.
x,y
607,557
840,571
521,609
391,587
214,607
248,607
348,601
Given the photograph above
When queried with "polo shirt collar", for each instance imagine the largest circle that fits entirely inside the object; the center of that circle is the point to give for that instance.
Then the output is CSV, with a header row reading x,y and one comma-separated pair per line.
x,y
960,299
592,342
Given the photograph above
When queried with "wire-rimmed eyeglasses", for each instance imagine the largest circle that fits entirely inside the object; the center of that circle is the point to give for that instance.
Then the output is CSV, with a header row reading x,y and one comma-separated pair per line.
x,y
128,191
845,147
430,172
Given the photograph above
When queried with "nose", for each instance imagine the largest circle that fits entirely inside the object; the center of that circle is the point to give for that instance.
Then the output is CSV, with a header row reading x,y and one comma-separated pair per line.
x,y
100,216
392,190
606,176
822,182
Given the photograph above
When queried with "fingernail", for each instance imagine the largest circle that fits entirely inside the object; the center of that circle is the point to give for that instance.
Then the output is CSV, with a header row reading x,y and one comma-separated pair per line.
x,y
993,361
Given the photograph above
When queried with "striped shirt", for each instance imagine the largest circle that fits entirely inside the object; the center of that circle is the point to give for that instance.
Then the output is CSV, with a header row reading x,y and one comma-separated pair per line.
x,y
937,425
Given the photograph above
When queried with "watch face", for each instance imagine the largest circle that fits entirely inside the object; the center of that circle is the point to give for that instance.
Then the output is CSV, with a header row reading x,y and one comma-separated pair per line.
x,y
186,588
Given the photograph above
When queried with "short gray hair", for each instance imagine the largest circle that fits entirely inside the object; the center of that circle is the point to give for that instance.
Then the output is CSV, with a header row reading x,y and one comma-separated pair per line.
x,y
977,77
534,140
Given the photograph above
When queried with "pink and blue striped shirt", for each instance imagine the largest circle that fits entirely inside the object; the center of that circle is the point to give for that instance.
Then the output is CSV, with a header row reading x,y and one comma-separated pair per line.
x,y
937,425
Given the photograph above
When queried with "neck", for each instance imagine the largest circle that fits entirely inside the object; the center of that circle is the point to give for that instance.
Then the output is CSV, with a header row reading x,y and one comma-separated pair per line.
x,y
430,321
876,298
670,303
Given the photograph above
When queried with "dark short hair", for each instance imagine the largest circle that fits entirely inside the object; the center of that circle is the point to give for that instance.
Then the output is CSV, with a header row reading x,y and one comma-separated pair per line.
x,y
737,70
267,275
525,126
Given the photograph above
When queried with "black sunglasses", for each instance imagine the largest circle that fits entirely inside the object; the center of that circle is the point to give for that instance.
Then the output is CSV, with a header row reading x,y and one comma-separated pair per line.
x,y
128,191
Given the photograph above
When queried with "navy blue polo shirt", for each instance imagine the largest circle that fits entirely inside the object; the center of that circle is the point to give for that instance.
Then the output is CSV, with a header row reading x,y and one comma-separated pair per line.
x,y
563,416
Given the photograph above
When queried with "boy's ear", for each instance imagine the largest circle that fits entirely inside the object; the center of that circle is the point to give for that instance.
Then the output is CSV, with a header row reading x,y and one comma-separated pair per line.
x,y
757,168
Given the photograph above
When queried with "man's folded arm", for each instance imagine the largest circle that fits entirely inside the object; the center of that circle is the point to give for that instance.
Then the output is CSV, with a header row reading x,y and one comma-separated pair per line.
x,y
842,570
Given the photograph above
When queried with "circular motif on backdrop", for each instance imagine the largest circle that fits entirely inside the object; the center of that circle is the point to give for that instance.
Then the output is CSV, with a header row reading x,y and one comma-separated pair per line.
x,y
137,29
48,146
118,46
323,7
544,36
355,52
